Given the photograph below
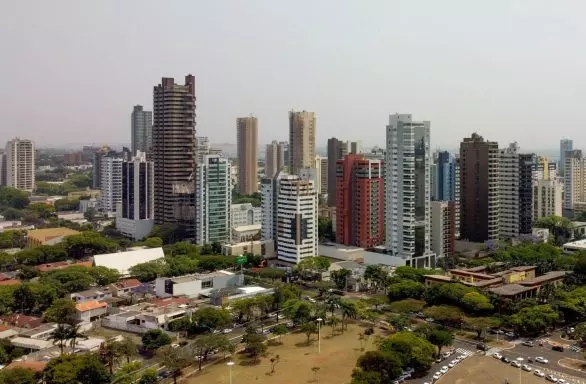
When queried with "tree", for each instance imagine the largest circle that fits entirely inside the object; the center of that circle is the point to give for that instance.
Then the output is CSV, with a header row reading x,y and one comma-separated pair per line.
x,y
205,344
212,318
406,289
445,314
559,227
274,361
254,345
376,276
109,354
407,306
74,335
18,376
175,359
440,338
534,320
377,301
386,366
325,230
309,329
149,377
412,350
128,373
153,242
88,243
481,324
411,273
314,264
44,210
104,275
280,330
154,339
477,303
74,368
59,336
148,271
60,312
349,310
127,348
297,310
90,214
399,322
13,198
315,371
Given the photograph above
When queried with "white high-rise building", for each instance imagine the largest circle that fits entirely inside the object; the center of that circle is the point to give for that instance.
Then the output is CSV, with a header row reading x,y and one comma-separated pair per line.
x,y
213,200
547,198
407,190
136,218
321,166
509,192
574,182
566,145
20,164
111,184
297,235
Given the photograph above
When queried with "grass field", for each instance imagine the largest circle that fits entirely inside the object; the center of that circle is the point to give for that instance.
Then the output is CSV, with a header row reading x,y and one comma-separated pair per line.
x,y
335,361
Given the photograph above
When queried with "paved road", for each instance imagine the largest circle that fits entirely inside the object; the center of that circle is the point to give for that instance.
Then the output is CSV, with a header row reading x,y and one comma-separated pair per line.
x,y
460,348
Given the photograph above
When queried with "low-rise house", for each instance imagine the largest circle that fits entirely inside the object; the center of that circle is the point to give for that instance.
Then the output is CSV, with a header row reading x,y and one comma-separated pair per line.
x,y
7,332
42,332
355,282
196,284
245,233
92,294
223,296
21,321
90,310
48,236
264,248
125,287
140,318
30,345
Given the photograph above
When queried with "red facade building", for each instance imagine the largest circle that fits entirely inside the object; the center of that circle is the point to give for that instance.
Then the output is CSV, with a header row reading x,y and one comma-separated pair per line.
x,y
360,201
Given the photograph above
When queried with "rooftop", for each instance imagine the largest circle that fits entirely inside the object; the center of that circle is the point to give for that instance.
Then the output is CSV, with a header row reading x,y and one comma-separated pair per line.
x,y
90,292
127,283
123,261
200,276
246,228
89,305
50,327
553,275
578,244
62,264
509,289
46,234
37,366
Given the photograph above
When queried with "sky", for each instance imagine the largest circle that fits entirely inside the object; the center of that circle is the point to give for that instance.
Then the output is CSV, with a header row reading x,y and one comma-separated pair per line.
x,y
510,70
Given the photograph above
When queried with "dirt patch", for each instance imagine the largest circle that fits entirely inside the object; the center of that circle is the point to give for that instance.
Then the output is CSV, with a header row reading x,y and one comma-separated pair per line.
x,y
335,361
578,365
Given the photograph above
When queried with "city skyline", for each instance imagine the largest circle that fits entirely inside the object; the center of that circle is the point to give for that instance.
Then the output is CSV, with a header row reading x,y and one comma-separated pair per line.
x,y
354,51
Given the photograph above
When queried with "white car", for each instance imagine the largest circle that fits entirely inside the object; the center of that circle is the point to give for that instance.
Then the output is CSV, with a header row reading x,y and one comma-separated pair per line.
x,y
444,369
497,356
437,375
562,381
541,360
515,364
526,368
538,373
452,364
227,330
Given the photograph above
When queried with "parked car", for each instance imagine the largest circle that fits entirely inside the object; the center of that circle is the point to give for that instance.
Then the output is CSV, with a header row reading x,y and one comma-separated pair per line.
x,y
510,335
526,368
444,369
505,359
515,364
437,375
497,356
551,378
541,360
538,373
227,330
559,348
528,343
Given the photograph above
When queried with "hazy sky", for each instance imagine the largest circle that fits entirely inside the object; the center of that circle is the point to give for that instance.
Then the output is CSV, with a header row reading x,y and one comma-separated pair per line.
x,y
510,70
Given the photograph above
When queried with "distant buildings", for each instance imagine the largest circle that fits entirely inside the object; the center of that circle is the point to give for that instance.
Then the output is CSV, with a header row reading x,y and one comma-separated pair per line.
x,y
543,169
407,190
574,182
322,176
2,168
111,183
566,145
141,129
360,200
547,198
247,137
20,164
135,219
337,150
173,148
479,189
213,200
301,140
274,158
443,228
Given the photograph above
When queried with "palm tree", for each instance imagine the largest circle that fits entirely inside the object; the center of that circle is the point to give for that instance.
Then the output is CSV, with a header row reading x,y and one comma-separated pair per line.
x,y
348,310
334,320
60,336
74,335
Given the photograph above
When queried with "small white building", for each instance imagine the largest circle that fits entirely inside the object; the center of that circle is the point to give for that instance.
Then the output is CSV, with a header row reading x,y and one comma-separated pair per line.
x,y
123,261
245,214
578,245
245,233
90,310
196,284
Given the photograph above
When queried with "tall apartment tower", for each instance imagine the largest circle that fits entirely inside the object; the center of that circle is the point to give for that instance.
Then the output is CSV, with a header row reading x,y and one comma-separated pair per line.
x,y
213,200
566,145
479,189
547,198
274,158
141,123
360,208
574,182
526,164
356,147
322,168
247,137
544,169
443,228
296,219
407,190
2,169
20,164
301,140
136,218
337,150
111,183
174,155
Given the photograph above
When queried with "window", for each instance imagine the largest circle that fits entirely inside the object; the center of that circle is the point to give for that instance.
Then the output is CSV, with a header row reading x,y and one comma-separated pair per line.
x,y
207,284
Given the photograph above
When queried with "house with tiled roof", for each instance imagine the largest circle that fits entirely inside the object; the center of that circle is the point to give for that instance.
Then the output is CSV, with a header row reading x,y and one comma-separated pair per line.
x,y
21,321
35,366
90,310
125,287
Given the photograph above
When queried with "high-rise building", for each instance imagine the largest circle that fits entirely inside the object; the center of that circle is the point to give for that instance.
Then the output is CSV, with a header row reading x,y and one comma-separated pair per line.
x,y
547,198
446,176
2,169
543,169
247,137
296,219
321,166
356,147
574,182
274,158
20,164
526,164
443,228
136,218
111,183
87,153
301,140
360,208
173,149
213,200
566,145
141,129
337,150
479,189
509,192
407,190
457,194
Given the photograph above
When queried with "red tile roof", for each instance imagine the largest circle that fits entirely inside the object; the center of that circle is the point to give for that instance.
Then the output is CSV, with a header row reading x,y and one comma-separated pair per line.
x,y
128,283
37,366
89,305
22,321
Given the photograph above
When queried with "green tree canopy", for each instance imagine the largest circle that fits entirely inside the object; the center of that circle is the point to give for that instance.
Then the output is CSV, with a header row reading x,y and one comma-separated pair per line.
x,y
18,376
534,320
385,366
154,339
406,289
60,312
411,350
407,305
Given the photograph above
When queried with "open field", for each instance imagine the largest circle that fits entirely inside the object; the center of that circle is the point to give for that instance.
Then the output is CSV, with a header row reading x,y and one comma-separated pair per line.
x,y
487,370
336,360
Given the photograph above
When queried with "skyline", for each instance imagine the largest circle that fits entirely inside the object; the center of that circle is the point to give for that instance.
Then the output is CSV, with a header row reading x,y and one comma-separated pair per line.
x,y
511,82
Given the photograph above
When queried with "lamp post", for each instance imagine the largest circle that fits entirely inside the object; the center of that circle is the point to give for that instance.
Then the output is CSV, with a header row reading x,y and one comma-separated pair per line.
x,y
319,320
520,360
230,364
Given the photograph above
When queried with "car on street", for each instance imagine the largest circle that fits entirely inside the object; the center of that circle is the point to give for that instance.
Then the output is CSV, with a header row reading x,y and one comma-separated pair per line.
x,y
541,360
526,368
227,330
437,375
528,343
538,373
274,314
429,320
444,369
559,348
562,381
290,324
510,335
497,356
551,378
452,364
515,364
439,360
505,359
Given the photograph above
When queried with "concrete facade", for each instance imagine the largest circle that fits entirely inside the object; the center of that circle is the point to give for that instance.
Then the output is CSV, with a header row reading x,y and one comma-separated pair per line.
x,y
247,143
